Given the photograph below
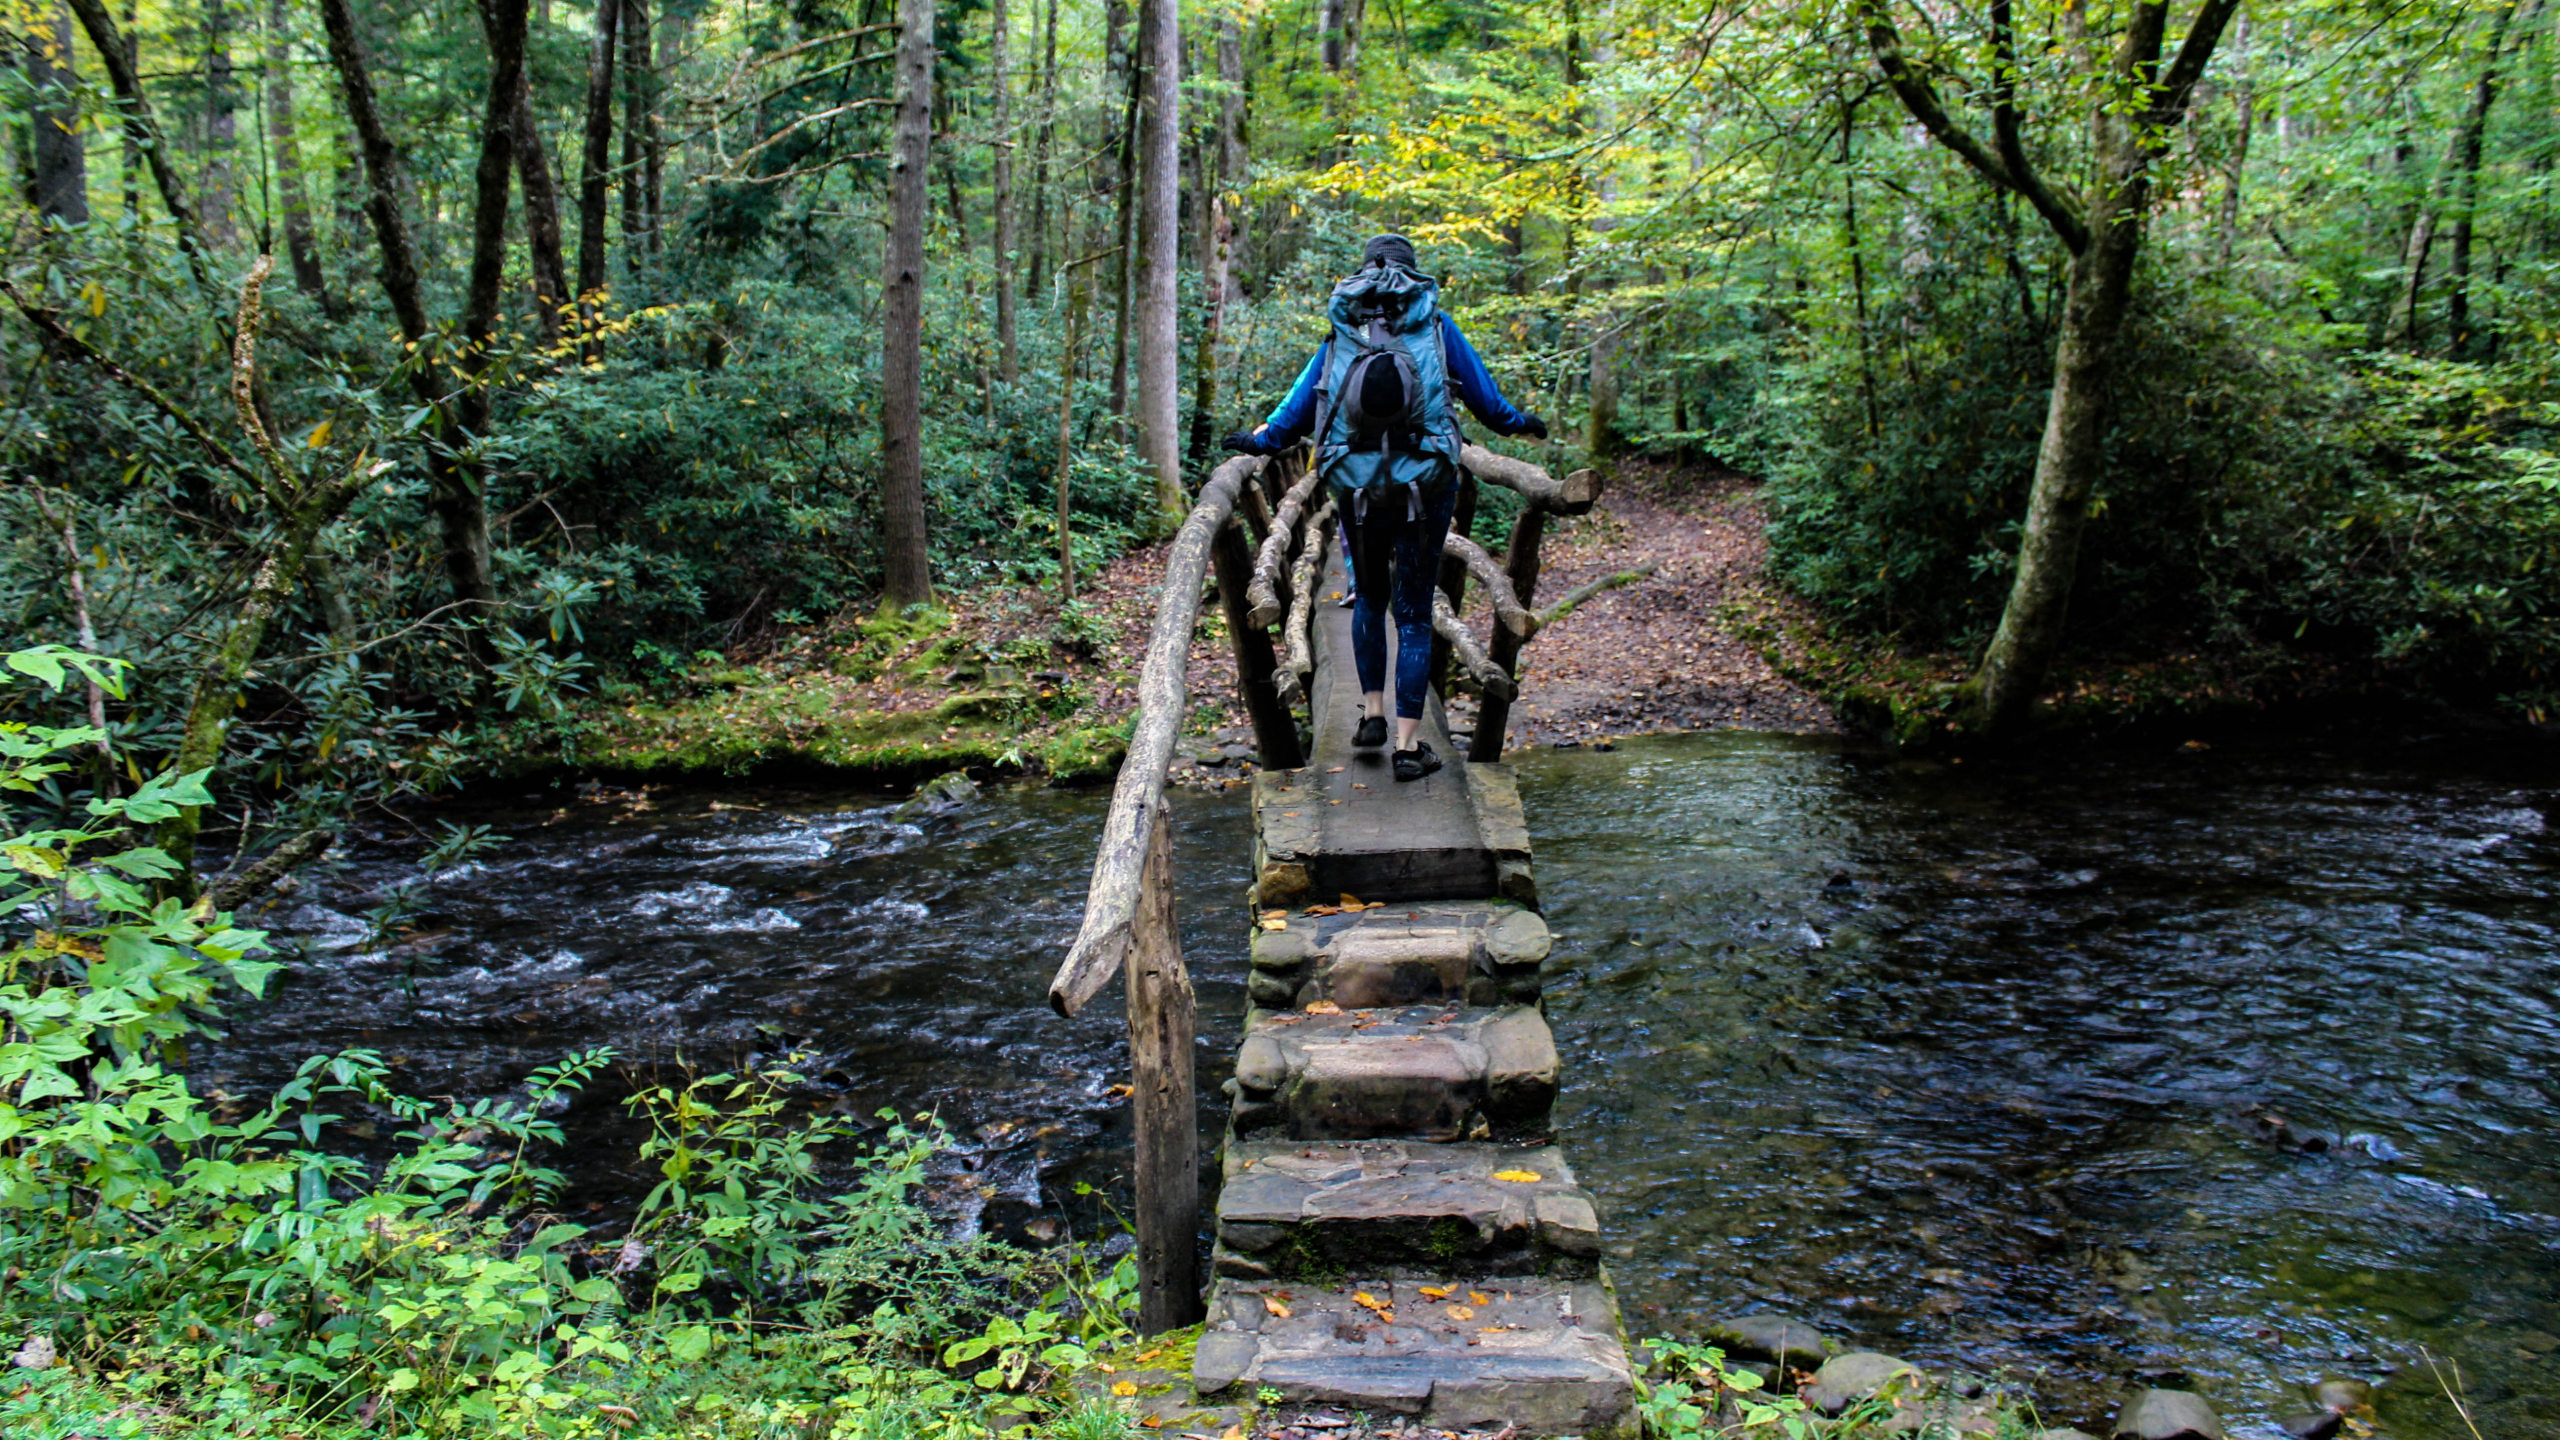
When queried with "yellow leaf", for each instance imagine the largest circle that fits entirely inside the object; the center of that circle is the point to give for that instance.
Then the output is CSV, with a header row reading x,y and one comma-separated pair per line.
x,y
1124,1388
1478,1297
1352,902
1275,1307
1324,1007
1363,1297
1461,1312
1152,1421
319,435
1435,1292
1519,1177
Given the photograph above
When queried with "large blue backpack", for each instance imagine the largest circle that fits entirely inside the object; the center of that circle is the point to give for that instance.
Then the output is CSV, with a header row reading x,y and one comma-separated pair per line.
x,y
1384,401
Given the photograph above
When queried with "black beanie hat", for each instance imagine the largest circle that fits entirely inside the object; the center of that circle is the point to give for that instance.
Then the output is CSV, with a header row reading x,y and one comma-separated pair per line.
x,y
1393,250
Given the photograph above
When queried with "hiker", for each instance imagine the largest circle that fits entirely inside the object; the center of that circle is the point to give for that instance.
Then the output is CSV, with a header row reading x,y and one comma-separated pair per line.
x,y
1376,397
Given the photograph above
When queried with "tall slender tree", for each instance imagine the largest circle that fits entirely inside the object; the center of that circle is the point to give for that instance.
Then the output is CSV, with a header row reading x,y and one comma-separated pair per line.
x,y
1008,360
906,568
595,163
61,157
300,243
217,181
541,217
2460,170
1157,334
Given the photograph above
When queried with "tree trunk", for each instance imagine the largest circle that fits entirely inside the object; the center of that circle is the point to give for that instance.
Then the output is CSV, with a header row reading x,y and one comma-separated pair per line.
x,y
1008,359
1048,143
221,125
541,218
907,574
1601,436
1329,26
2226,236
632,26
1213,312
1235,165
2104,242
131,163
1157,335
595,167
61,156
2466,200
2069,464
1067,358
2461,165
453,481
299,241
1125,256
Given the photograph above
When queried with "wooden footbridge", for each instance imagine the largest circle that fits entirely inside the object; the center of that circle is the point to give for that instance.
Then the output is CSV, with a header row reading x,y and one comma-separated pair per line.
x,y
1396,1229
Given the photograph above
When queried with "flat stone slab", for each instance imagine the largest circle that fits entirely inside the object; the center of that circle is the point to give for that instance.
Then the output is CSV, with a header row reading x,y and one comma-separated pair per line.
x,y
1345,824
1290,1210
1481,952
1420,1072
1459,1354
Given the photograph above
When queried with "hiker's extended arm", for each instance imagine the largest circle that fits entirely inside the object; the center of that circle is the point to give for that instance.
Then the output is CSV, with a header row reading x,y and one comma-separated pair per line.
x,y
1474,387
1290,423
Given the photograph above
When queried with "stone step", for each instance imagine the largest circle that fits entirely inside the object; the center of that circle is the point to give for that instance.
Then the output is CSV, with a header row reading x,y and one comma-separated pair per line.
x,y
1480,952
1297,1210
1458,1354
1419,1072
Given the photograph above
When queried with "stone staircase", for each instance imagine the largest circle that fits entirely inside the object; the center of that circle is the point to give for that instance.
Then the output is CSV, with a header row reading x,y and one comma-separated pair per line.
x,y
1397,1231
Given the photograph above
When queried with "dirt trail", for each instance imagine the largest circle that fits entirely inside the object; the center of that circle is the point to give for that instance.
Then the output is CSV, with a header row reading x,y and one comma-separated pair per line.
x,y
1647,657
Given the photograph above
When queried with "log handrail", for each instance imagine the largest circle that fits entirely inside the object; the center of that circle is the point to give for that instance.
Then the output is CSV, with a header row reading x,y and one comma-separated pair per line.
x,y
1519,619
1573,495
1299,634
1489,677
1111,905
1263,592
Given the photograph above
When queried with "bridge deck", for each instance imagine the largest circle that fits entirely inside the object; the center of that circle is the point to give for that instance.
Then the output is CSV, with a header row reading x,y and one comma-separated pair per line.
x,y
1345,825
1397,1231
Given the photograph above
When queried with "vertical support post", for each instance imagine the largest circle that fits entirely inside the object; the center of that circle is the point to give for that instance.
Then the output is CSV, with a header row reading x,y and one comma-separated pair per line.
x,y
1256,508
1163,1107
1275,730
1453,577
1493,717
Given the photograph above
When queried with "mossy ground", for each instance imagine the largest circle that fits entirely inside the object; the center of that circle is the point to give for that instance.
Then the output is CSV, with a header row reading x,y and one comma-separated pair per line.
x,y
983,688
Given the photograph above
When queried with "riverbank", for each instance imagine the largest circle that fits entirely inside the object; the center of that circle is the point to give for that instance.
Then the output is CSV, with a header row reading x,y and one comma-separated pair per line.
x,y
1015,681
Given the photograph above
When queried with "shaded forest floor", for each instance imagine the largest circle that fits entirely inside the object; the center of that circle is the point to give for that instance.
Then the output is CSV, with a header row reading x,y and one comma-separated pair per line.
x,y
1010,680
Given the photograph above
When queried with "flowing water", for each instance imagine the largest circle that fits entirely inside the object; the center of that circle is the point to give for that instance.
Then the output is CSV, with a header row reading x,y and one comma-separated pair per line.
x,y
2237,1064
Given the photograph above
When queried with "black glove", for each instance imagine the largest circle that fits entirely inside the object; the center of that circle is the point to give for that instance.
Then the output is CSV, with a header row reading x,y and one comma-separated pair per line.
x,y
1534,427
1242,442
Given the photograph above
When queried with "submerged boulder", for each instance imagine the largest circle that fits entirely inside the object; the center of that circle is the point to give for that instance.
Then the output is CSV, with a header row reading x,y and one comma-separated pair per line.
x,y
2168,1415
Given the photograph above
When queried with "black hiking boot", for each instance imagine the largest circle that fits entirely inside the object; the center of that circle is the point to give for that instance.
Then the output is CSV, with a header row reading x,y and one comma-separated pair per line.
x,y
1372,732
1417,762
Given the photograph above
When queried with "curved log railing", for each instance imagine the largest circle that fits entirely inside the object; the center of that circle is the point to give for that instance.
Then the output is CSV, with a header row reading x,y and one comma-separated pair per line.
x,y
1129,921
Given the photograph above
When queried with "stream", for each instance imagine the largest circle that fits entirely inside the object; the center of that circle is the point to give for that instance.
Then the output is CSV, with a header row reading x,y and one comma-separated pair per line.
x,y
2230,1063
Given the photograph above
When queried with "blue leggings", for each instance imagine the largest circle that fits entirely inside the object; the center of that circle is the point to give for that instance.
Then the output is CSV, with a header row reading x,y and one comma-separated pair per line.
x,y
1395,563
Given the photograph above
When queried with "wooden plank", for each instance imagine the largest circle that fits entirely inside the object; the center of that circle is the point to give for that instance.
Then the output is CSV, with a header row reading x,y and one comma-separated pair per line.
x,y
1520,564
1345,824
1164,1110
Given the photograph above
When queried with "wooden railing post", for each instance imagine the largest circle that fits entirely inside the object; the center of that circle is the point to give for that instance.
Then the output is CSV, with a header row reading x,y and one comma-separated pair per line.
x,y
1275,730
1163,1107
1453,575
1493,715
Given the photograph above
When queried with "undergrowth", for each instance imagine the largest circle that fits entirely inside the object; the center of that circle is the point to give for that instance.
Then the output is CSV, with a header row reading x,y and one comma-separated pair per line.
x,y
176,1264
